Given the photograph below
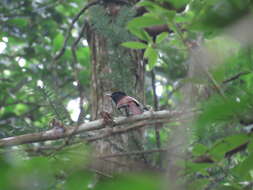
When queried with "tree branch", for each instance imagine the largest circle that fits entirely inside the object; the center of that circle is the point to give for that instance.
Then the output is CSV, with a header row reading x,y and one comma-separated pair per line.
x,y
71,27
55,133
236,77
228,154
133,127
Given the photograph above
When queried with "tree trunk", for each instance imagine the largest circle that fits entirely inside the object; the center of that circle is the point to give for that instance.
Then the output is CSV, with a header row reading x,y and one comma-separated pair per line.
x,y
114,68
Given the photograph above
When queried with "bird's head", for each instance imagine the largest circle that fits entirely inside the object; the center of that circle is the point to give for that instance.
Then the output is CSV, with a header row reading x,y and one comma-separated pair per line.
x,y
116,96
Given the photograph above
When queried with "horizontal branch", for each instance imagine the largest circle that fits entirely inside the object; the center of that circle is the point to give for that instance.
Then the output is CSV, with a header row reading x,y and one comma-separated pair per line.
x,y
132,127
58,133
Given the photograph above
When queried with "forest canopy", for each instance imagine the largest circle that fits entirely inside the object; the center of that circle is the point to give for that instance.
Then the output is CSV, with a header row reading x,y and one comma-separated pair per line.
x,y
185,117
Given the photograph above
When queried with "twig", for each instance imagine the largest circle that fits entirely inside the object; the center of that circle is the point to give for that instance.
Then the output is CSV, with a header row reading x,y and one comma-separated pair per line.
x,y
216,84
71,27
236,150
236,76
228,154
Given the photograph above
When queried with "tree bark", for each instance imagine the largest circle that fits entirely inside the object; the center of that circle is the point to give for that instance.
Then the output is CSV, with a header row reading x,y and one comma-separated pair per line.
x,y
114,68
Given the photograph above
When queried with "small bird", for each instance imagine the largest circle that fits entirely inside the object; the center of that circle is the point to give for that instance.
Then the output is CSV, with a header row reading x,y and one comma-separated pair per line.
x,y
126,103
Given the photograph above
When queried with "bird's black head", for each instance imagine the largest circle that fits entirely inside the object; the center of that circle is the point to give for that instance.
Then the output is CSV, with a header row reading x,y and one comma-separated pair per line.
x,y
116,96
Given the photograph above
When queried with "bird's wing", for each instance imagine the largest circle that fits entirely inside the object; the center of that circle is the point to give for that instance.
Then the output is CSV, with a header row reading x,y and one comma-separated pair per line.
x,y
126,100
132,104
134,108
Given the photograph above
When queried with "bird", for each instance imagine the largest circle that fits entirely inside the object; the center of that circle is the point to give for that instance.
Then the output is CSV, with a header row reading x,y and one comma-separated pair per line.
x,y
127,104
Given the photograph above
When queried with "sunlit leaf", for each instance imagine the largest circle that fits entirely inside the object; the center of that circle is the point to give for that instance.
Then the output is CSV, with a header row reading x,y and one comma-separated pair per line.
x,y
58,42
140,33
145,21
161,37
152,57
83,55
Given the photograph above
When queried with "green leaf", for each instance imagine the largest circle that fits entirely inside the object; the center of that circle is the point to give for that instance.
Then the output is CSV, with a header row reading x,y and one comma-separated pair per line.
x,y
212,15
132,181
140,33
178,3
248,79
199,149
147,4
20,109
20,22
68,55
78,180
152,56
161,37
242,171
157,11
145,21
184,17
197,167
198,184
4,174
83,55
134,45
225,145
58,42
250,146
151,6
